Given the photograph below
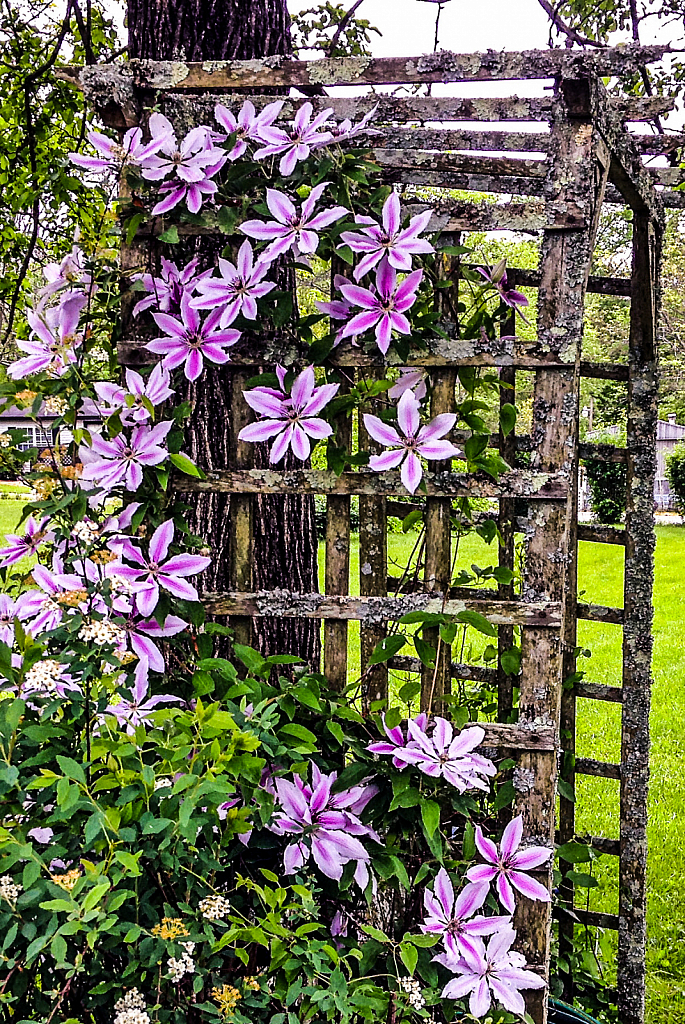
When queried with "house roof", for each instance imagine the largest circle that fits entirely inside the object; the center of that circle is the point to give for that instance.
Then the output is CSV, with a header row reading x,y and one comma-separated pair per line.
x,y
669,430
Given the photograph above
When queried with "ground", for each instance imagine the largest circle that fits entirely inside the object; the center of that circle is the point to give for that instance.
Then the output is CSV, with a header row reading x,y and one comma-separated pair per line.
x,y
599,737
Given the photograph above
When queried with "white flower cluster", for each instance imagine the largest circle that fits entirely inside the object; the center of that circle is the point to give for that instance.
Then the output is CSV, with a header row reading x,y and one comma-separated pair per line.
x,y
413,988
214,907
44,676
163,783
84,531
56,405
130,1009
101,632
184,965
9,890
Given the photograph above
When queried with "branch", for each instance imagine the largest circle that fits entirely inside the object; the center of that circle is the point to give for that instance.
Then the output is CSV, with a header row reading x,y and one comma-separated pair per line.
x,y
568,30
344,22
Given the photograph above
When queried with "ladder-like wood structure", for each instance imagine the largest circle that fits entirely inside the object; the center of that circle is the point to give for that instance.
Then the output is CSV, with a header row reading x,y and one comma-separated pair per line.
x,y
589,158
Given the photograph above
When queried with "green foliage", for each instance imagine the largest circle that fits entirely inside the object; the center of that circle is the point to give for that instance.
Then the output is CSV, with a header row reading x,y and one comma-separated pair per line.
x,y
317,27
608,483
675,471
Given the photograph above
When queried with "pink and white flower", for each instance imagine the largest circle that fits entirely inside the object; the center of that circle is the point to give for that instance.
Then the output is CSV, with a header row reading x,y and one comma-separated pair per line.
x,y
27,544
136,710
53,585
396,739
388,241
291,419
248,126
509,865
409,380
155,570
497,277
453,918
414,441
189,161
131,152
297,142
486,972
345,130
384,307
442,755
165,292
190,340
292,229
25,607
237,289
133,405
51,347
194,193
138,633
120,461
71,272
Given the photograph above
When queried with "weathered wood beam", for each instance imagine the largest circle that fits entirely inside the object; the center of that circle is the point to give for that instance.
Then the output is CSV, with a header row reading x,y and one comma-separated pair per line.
x,y
460,163
602,769
458,669
598,691
600,613
603,452
588,918
604,371
519,483
451,216
659,144
370,610
601,534
597,285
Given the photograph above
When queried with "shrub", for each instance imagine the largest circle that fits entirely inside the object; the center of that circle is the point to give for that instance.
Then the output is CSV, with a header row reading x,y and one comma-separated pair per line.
x,y
608,482
675,471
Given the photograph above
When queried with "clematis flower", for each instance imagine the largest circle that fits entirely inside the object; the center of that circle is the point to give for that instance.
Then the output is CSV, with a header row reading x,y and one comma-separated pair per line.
x,y
53,341
165,292
486,972
24,545
119,461
131,152
26,606
194,193
395,739
414,441
409,380
453,919
54,585
509,864
155,571
139,633
297,142
133,405
69,273
324,824
190,340
346,130
290,229
136,710
248,125
236,289
497,277
383,308
292,419
444,755
190,160
388,240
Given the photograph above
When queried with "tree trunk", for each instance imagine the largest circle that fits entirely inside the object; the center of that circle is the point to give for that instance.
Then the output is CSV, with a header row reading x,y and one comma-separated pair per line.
x,y
285,544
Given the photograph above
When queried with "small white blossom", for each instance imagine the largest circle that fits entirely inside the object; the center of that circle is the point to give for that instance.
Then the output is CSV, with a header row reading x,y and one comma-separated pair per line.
x,y
130,1009
101,632
413,988
56,405
183,965
9,889
163,783
44,677
84,531
214,907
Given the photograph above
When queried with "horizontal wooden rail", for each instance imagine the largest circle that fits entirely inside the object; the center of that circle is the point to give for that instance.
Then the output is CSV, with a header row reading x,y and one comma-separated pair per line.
x,y
459,670
603,452
533,215
619,286
598,691
601,769
589,918
461,163
600,613
604,371
598,843
601,534
517,484
377,609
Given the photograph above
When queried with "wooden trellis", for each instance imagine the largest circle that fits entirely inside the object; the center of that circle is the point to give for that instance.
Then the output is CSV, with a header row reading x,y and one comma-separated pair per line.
x,y
588,158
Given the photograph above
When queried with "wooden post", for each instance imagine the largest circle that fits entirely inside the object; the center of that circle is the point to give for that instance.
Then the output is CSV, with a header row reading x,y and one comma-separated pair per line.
x,y
507,449
337,570
241,526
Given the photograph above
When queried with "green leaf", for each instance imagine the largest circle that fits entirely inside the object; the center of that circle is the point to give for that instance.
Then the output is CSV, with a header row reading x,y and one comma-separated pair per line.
x,y
409,691
170,236
387,648
94,895
507,418
478,622
128,860
185,465
511,661
505,795
411,520
72,769
574,853
430,815
335,730
306,697
298,732
566,791
58,948
67,905
425,651
423,618
375,933
582,879
251,659
30,874
409,955
132,226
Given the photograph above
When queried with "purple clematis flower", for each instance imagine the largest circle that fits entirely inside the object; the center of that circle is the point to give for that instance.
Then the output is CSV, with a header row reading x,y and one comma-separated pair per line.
x,y
396,739
139,633
54,339
347,130
409,380
388,241
131,152
383,308
70,273
26,606
194,193
130,713
292,419
190,340
133,405
290,229
497,277
190,161
297,142
483,973
325,825
414,441
155,571
237,289
24,545
509,864
248,125
165,292
453,919
53,586
444,755
119,461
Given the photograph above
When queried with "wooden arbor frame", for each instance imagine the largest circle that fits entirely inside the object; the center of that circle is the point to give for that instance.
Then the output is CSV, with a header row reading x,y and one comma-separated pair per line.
x,y
589,158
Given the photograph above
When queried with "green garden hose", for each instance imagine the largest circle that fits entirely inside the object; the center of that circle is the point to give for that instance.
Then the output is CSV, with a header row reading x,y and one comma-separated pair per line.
x,y
562,1013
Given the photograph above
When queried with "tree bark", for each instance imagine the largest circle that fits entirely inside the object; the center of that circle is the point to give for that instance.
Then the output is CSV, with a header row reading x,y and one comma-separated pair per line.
x,y
285,543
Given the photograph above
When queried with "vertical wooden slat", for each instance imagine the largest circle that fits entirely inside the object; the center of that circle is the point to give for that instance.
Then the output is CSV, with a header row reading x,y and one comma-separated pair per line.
x,y
337,570
638,615
373,572
241,505
507,448
579,168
